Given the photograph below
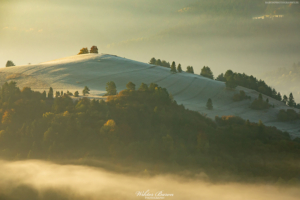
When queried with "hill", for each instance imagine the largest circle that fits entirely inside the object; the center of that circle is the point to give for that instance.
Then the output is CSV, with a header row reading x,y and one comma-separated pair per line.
x,y
93,70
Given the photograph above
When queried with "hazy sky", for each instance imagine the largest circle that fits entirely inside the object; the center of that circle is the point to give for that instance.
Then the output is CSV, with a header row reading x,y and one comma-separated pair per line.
x,y
34,31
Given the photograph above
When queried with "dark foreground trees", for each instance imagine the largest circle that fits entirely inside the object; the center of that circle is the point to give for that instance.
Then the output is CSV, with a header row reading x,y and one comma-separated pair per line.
x,y
144,125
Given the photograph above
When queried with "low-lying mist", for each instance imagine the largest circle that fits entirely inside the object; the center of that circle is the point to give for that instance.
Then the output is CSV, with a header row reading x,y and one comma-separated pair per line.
x,y
33,179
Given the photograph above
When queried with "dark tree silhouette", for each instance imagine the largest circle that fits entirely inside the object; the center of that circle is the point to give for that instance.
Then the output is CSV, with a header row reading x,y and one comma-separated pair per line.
x,y
50,93
285,99
206,72
9,63
94,49
173,67
209,104
158,62
130,86
291,101
111,88
85,91
190,69
179,68
152,61
76,94
143,87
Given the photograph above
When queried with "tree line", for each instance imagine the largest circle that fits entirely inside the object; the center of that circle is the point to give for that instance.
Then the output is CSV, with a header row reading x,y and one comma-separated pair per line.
x,y
233,79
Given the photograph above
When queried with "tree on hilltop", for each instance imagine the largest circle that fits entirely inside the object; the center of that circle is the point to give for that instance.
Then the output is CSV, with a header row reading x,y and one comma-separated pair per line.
x,y
206,72
190,69
83,51
173,67
291,101
152,61
9,63
179,68
94,49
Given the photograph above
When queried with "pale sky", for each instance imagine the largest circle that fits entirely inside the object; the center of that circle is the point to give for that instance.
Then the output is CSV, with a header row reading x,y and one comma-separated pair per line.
x,y
34,31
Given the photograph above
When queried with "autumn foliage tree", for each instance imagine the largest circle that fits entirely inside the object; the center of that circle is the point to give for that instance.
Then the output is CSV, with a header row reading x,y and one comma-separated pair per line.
x,y
83,51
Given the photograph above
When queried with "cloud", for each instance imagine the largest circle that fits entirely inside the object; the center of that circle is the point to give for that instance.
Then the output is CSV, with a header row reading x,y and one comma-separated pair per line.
x,y
33,179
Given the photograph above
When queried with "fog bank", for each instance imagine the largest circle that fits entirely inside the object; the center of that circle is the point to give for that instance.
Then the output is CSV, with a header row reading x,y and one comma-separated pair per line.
x,y
35,179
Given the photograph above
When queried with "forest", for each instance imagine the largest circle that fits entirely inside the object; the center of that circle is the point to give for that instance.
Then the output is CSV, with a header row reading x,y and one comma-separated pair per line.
x,y
143,125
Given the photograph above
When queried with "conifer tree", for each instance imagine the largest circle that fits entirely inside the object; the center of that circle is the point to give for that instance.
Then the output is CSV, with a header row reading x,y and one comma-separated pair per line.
x,y
152,61
209,104
173,67
85,90
285,99
291,101
158,62
50,93
111,88
179,68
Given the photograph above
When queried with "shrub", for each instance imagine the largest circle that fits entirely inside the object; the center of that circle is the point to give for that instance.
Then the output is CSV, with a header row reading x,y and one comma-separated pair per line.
x,y
209,104
259,104
288,115
241,96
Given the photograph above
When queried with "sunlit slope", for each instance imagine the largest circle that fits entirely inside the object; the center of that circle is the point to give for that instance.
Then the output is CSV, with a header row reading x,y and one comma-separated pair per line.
x,y
94,71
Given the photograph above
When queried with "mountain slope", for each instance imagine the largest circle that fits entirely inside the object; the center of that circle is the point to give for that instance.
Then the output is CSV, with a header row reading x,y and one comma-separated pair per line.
x,y
93,70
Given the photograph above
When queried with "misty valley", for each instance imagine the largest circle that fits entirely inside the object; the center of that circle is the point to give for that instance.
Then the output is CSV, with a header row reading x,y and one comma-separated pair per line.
x,y
149,99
